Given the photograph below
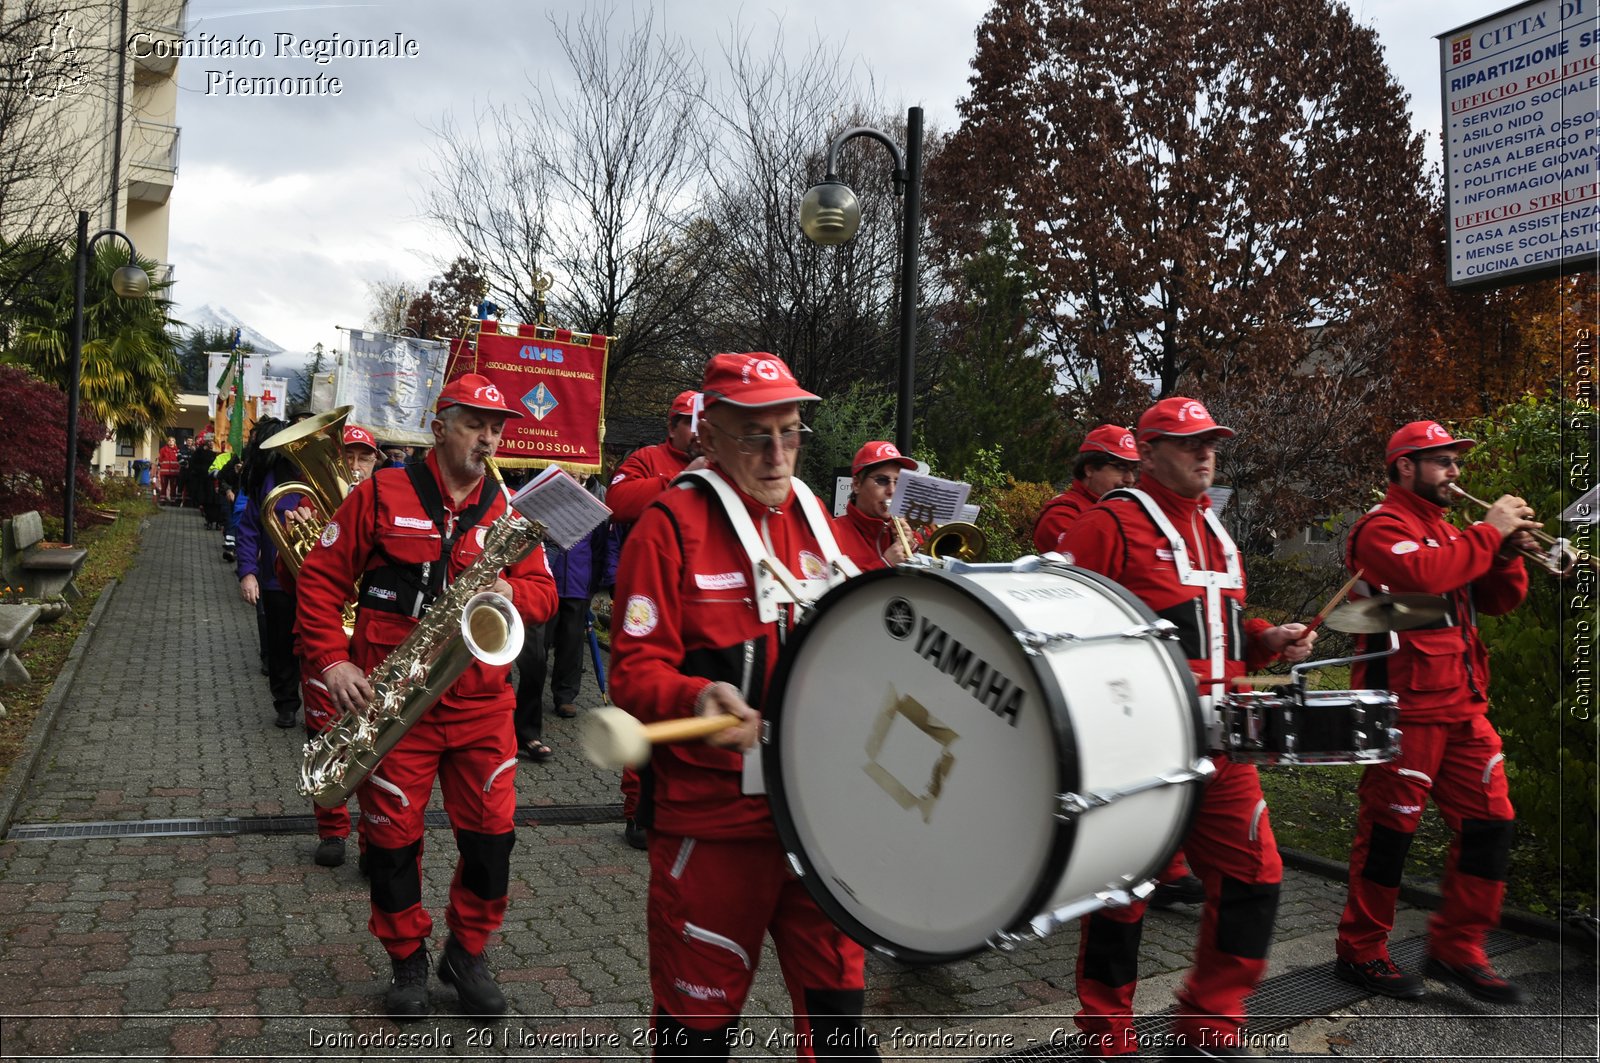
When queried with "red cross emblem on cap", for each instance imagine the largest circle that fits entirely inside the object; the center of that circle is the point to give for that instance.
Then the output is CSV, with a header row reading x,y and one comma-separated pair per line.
x,y
767,370
1436,431
1192,409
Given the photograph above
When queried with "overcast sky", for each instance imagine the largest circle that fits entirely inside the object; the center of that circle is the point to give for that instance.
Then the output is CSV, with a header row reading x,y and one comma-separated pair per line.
x,y
285,208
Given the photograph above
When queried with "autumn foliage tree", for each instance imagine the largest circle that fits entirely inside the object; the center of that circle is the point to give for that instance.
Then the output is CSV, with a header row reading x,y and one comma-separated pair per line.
x,y
455,295
33,445
1217,198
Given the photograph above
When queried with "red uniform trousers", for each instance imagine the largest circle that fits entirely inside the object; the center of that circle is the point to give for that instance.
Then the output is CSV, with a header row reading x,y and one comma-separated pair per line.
x,y
711,902
1460,766
474,756
1231,847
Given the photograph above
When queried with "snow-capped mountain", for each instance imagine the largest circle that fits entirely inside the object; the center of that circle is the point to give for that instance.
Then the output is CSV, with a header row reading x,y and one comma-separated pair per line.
x,y
209,319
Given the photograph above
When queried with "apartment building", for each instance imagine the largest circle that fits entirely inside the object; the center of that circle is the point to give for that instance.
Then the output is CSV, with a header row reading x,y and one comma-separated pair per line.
x,y
96,115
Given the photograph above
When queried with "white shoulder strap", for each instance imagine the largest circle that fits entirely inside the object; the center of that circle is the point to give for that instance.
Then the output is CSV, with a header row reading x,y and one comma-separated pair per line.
x,y
775,585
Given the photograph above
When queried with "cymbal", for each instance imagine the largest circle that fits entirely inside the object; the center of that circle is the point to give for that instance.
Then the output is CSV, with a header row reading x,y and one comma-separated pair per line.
x,y
1388,612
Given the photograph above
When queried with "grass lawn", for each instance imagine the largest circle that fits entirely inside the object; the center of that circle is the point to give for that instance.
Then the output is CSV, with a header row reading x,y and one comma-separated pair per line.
x,y
112,549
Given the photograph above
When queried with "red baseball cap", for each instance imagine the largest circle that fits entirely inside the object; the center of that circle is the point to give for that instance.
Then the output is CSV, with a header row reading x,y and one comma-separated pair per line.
x,y
1111,439
477,391
354,433
756,379
683,405
1422,435
1178,416
879,453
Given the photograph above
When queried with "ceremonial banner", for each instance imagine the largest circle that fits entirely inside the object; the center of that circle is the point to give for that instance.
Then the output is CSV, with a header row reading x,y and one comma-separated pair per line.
x,y
393,383
274,398
558,378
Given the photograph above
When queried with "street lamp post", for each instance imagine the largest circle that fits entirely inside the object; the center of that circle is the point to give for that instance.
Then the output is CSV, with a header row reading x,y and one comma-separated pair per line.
x,y
129,282
830,214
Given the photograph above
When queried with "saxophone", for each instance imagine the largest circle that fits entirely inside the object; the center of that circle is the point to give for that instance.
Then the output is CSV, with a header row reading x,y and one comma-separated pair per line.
x,y
464,622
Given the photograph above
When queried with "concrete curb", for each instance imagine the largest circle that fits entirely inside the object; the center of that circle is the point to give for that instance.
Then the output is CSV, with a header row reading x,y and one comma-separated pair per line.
x,y
1429,897
17,778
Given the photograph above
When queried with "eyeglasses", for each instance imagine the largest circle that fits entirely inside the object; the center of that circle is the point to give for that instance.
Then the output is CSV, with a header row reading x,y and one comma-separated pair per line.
x,y
1441,462
1194,444
881,480
757,443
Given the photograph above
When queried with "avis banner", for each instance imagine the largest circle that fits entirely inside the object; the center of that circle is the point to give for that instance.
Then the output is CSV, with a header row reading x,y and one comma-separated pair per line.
x,y
557,379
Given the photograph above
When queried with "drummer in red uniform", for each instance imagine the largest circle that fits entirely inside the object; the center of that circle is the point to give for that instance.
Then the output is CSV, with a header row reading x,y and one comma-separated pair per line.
x,y
865,530
1450,752
700,634
1162,542
641,479
1108,459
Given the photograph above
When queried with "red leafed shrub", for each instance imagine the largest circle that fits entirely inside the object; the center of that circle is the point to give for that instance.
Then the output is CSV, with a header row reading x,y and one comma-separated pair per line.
x,y
33,446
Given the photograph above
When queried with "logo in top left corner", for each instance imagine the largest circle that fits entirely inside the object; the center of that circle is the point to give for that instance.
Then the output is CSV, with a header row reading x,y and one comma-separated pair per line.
x,y
53,66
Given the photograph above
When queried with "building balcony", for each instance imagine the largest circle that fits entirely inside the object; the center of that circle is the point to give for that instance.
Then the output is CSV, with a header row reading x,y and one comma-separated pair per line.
x,y
152,161
154,51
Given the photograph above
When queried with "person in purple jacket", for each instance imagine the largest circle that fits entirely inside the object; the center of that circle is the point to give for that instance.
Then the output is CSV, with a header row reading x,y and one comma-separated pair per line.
x,y
258,581
577,573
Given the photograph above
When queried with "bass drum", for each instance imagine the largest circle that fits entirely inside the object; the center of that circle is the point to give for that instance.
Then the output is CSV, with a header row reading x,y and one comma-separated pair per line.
x,y
961,756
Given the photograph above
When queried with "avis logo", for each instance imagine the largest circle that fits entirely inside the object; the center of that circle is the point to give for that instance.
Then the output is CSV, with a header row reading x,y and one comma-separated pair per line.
x,y
540,354
52,67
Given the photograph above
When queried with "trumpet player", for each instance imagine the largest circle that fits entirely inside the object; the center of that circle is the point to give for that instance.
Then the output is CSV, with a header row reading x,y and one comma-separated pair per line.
x,y
405,533
866,532
1451,752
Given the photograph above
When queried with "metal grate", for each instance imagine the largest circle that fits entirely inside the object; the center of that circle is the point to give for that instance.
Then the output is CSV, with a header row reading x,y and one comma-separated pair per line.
x,y
526,816
1286,1000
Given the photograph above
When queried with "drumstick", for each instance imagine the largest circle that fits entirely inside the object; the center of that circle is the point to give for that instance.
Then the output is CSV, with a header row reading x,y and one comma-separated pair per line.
x,y
1334,602
613,738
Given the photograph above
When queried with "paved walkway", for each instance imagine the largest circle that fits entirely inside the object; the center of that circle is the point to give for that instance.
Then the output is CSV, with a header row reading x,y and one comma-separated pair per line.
x,y
235,944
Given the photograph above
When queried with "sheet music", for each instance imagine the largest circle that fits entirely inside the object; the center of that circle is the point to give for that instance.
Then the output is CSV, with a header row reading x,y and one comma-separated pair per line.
x,y
969,513
919,498
556,500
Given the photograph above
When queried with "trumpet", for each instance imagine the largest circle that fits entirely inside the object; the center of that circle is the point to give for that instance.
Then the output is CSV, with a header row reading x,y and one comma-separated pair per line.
x,y
1556,555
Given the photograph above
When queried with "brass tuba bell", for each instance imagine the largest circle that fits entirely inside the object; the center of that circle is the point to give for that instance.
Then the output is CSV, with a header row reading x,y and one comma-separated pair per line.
x,y
316,446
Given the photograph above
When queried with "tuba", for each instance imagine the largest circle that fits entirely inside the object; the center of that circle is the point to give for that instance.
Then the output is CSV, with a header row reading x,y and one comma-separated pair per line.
x,y
466,621
316,446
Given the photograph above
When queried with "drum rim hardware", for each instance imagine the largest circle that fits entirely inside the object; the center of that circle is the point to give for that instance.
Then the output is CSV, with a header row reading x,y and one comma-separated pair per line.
x,y
1069,806
1036,642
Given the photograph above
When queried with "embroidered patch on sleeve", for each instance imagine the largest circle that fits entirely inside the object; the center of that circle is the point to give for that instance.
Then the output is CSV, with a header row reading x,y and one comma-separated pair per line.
x,y
640,617
330,534
1405,546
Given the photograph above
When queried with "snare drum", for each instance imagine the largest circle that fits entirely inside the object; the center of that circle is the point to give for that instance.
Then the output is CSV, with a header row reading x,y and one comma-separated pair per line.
x,y
961,756
1302,727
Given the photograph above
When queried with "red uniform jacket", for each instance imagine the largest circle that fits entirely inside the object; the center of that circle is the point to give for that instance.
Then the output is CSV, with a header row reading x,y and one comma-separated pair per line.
x,y
1405,546
167,461
384,511
684,599
1118,539
864,539
641,478
1058,514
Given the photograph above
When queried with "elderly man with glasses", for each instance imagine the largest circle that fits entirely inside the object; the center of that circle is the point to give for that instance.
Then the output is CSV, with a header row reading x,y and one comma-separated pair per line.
x,y
710,585
1451,752
1162,542
865,530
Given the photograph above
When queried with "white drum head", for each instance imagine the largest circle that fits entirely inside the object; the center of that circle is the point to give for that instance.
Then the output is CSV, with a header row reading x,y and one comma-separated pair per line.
x,y
913,762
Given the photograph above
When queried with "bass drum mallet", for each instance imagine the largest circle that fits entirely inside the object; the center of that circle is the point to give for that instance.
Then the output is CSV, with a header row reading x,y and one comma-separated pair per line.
x,y
612,738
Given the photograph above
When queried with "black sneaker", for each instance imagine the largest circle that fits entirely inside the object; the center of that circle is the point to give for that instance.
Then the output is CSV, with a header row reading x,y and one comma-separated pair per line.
x,y
330,852
474,984
285,718
407,998
633,834
1380,976
1479,979
1186,890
